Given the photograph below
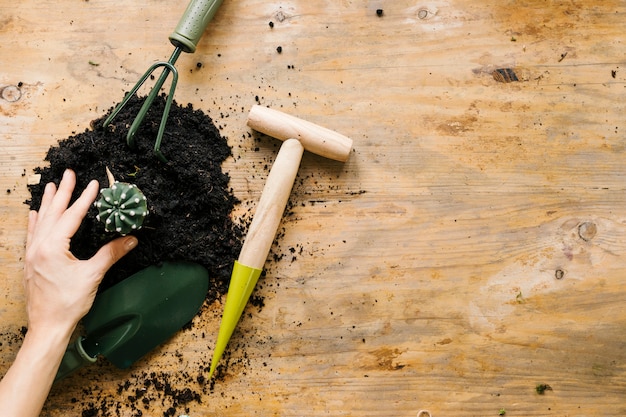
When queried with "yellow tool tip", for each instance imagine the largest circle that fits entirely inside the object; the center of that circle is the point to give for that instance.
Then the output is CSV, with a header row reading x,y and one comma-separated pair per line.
x,y
242,282
213,367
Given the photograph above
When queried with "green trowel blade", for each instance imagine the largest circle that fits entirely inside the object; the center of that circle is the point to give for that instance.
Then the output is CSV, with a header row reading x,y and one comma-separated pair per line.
x,y
143,311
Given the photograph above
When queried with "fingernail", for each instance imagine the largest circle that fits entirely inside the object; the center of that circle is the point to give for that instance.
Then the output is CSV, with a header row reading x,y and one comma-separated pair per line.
x,y
130,243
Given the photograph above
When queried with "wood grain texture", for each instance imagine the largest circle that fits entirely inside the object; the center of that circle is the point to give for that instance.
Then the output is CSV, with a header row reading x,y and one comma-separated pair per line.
x,y
442,267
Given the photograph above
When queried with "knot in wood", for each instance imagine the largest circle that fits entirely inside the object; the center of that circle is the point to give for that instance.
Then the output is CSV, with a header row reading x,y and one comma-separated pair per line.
x,y
11,93
587,231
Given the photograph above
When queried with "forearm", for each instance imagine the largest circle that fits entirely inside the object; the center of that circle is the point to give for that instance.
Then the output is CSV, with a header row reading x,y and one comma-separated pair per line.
x,y
24,388
59,289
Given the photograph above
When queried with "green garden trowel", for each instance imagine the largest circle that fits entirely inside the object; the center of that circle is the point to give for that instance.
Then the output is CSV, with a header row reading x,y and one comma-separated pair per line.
x,y
136,315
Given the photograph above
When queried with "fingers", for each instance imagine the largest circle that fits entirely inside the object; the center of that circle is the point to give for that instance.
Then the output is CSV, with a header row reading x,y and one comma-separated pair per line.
x,y
112,252
63,194
54,200
46,200
73,216
87,197
32,222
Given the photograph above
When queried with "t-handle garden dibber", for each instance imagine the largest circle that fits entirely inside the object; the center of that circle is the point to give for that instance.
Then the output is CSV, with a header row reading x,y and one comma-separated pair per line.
x,y
184,38
298,135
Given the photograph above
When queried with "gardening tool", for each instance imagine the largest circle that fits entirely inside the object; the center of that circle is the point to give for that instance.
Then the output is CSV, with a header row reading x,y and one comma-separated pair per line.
x,y
136,315
297,135
184,38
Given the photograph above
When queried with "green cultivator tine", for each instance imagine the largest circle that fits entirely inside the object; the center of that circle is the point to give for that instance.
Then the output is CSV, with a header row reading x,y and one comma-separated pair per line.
x,y
167,68
185,38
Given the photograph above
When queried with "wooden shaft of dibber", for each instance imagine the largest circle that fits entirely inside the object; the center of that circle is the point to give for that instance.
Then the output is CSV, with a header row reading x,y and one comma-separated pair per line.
x,y
271,205
314,138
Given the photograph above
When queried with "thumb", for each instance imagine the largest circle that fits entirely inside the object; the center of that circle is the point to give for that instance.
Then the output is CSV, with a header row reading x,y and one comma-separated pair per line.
x,y
113,252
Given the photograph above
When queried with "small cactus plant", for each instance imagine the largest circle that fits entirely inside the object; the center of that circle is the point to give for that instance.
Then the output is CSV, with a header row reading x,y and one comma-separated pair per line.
x,y
122,207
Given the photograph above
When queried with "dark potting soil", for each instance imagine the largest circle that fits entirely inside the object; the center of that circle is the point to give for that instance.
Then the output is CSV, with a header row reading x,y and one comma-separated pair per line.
x,y
189,199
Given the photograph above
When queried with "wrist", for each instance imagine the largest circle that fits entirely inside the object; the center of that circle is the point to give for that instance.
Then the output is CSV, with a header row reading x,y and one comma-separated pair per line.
x,y
48,338
25,386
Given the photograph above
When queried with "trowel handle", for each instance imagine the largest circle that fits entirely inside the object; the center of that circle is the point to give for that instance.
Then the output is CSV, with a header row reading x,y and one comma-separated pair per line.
x,y
271,205
74,358
192,24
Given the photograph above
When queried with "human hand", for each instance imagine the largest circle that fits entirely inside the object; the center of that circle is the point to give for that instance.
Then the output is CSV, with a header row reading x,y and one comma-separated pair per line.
x,y
60,289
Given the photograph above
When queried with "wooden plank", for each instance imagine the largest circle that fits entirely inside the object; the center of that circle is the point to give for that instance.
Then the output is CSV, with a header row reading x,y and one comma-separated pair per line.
x,y
450,265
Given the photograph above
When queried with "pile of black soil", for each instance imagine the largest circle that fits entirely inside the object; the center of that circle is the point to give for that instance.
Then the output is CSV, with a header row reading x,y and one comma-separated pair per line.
x,y
189,198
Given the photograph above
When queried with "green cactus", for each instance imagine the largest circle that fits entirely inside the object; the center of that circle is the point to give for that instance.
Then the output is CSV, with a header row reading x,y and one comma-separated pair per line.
x,y
122,208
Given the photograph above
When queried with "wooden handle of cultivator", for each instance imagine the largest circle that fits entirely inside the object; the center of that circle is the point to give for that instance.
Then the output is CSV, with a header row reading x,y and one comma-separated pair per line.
x,y
272,204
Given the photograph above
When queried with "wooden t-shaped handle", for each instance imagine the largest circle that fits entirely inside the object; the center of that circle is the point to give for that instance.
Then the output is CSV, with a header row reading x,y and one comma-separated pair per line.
x,y
298,135
314,138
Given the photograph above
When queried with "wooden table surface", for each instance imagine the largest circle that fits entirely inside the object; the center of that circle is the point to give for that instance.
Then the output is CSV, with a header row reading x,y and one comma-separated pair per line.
x,y
472,247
